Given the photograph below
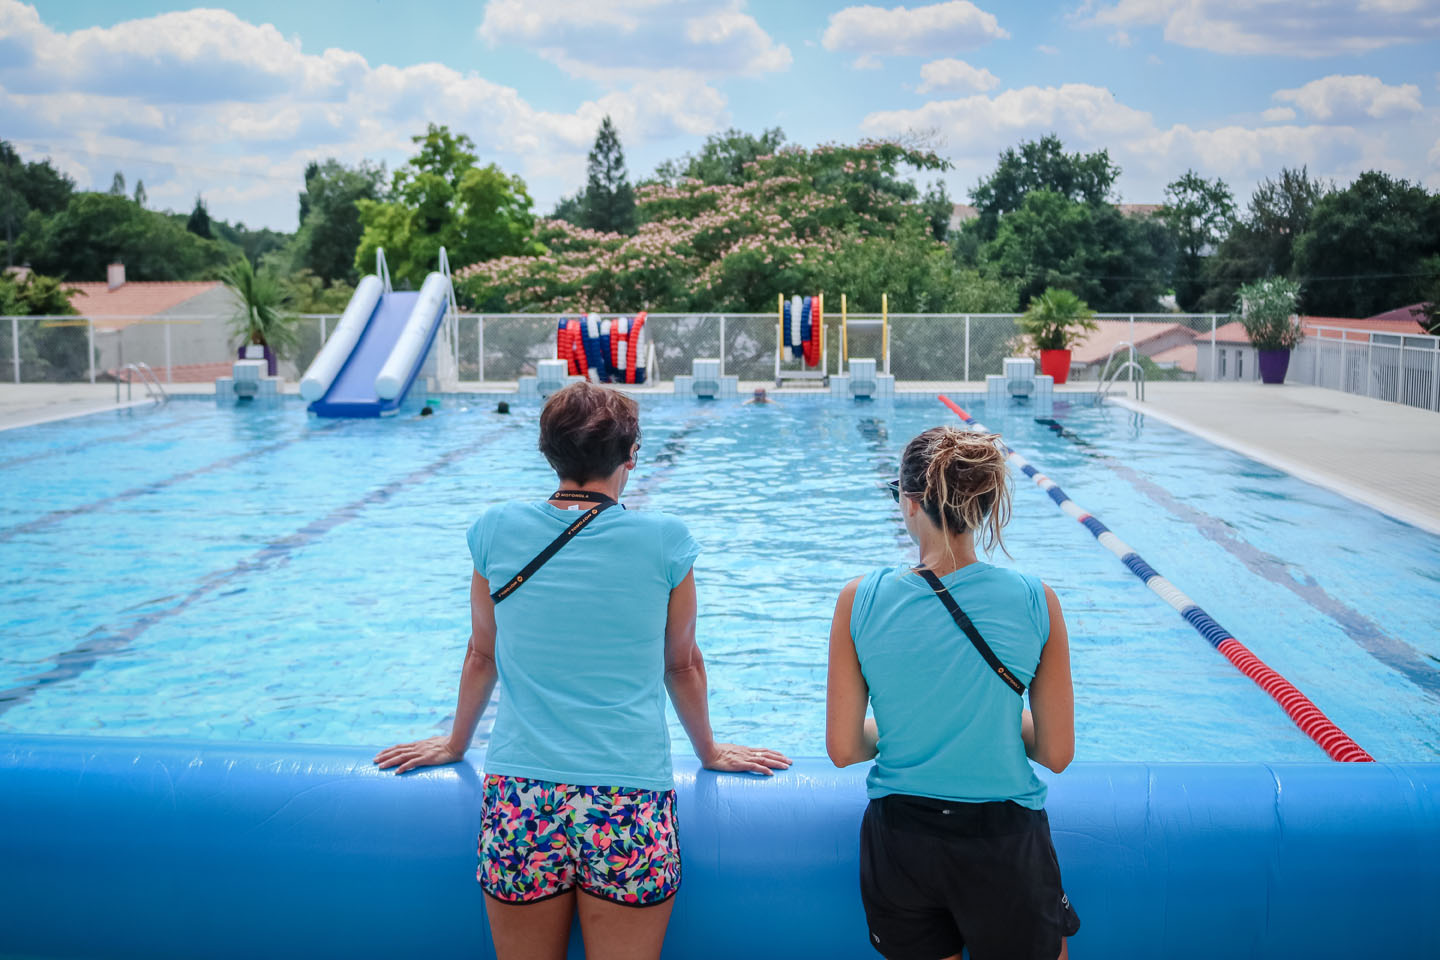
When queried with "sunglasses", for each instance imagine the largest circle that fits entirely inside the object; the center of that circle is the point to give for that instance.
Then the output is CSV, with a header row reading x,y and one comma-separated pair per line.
x,y
894,487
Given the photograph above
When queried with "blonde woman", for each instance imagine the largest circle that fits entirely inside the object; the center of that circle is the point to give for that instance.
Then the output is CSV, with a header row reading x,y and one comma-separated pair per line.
x,y
955,847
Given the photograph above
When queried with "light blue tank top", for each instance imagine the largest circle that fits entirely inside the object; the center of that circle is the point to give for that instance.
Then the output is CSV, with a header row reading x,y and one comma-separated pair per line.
x,y
949,726
580,646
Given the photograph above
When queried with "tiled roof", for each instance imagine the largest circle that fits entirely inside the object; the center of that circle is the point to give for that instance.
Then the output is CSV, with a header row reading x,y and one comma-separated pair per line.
x,y
1097,345
1182,356
134,299
1398,315
1234,332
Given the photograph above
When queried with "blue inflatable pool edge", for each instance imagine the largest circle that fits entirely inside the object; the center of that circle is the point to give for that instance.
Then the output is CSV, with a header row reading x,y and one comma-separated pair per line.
x,y
114,847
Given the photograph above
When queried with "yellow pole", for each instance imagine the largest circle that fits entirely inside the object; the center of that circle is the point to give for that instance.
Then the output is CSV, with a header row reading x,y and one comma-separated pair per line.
x,y
844,345
885,330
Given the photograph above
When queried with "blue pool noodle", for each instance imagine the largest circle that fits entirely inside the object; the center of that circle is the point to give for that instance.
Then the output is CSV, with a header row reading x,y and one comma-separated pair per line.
x,y
114,847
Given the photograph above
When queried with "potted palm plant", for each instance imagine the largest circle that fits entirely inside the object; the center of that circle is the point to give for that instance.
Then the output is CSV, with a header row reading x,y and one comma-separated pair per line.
x,y
1267,310
260,319
1054,321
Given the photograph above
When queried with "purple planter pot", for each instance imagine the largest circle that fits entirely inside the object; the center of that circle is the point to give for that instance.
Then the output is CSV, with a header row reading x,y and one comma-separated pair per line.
x,y
1273,364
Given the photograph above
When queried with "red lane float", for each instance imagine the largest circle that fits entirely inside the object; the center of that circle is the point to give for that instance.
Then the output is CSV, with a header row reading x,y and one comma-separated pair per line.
x,y
1299,708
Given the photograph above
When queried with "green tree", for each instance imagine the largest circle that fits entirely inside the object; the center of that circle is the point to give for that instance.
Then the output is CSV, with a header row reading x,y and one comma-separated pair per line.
x,y
802,220
139,196
1040,165
1261,242
26,188
95,229
1199,213
1115,262
50,350
938,209
1055,319
117,184
441,198
330,227
1362,250
609,200
723,158
199,221
260,316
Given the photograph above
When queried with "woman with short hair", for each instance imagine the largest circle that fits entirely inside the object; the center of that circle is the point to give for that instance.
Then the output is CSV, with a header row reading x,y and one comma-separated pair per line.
x,y
584,613
955,847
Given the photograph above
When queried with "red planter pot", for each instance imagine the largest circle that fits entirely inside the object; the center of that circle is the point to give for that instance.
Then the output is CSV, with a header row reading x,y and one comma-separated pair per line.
x,y
1055,363
1273,364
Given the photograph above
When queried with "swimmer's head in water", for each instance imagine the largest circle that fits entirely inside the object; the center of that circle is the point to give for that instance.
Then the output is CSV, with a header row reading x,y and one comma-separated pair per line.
x,y
760,393
427,412
502,407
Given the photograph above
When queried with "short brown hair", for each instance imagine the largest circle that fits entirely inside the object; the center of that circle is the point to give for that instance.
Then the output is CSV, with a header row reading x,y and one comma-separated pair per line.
x,y
586,431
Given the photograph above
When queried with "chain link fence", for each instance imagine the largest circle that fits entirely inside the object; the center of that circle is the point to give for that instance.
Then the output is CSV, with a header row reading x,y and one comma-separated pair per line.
x,y
500,348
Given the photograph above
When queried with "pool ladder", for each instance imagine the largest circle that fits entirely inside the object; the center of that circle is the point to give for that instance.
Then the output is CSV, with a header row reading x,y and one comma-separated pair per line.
x,y
1107,379
140,370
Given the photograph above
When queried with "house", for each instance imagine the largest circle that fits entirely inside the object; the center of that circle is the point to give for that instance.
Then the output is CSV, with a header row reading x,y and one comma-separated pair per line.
x,y
1236,359
1169,345
134,320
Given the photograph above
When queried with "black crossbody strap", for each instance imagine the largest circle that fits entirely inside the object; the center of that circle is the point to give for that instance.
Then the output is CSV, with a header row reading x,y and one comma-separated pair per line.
x,y
963,622
565,537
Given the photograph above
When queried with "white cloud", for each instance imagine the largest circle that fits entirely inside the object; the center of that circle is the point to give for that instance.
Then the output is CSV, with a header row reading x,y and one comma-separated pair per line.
x,y
1153,60
866,62
951,76
1120,38
1350,98
204,101
712,39
1318,28
1048,50
1089,118
1278,115
932,30
1434,156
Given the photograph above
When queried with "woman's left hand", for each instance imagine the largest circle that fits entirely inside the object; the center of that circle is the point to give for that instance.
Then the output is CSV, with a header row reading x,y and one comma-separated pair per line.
x,y
433,752
733,758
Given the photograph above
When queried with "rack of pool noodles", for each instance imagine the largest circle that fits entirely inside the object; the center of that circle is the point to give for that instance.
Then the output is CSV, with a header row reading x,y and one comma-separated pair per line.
x,y
802,328
612,350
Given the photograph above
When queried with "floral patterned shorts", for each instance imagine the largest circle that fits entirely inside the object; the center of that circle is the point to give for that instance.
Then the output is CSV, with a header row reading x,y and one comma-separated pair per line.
x,y
540,839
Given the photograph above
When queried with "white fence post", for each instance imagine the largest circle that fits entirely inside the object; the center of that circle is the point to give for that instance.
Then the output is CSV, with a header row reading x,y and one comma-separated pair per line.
x,y
1130,372
1435,377
324,331
169,374
1214,360
1369,359
90,349
15,345
967,348
480,347
722,345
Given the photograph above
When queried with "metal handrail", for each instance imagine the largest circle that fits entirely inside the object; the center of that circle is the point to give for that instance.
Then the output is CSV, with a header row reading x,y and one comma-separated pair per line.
x,y
148,380
1104,388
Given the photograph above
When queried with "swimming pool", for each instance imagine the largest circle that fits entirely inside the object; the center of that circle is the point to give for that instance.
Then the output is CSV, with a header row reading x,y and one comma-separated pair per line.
x,y
257,574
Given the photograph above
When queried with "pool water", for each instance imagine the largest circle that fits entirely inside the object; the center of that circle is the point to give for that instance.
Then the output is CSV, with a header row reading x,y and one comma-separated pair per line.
x,y
258,574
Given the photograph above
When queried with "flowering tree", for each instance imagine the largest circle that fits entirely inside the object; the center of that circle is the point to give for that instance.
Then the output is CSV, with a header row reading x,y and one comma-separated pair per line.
x,y
797,221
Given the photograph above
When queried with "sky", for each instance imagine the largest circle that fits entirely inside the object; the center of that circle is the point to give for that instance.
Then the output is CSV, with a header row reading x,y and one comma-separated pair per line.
x,y
231,102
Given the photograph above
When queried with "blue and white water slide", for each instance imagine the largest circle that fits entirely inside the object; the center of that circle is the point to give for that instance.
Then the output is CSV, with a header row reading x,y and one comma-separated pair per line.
x,y
377,350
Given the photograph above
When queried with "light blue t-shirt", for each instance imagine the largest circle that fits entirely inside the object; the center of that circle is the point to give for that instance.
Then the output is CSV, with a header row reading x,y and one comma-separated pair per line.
x,y
580,646
949,726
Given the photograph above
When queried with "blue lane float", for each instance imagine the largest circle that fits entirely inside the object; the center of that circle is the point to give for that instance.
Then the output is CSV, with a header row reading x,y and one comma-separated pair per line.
x,y
119,848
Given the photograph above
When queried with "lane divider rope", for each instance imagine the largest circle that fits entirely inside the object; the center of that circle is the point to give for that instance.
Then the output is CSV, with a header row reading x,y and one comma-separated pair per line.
x,y
1308,717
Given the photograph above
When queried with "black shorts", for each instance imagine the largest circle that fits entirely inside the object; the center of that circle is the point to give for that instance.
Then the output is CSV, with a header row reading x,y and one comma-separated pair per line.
x,y
940,875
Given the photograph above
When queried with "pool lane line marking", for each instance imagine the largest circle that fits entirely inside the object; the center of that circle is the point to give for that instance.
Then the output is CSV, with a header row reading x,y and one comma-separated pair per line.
x,y
1308,717
148,431
1366,633
102,641
55,516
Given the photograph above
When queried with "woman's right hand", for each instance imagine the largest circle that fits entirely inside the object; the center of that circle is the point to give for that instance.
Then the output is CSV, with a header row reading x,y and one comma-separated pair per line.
x,y
434,752
733,758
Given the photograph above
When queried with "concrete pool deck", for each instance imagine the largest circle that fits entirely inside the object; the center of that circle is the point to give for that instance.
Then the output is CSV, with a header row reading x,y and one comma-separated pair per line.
x,y
1383,454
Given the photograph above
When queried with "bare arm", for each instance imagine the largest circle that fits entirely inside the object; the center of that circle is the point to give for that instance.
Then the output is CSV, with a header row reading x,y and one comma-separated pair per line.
x,y
849,737
1048,727
686,683
477,683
